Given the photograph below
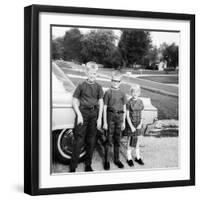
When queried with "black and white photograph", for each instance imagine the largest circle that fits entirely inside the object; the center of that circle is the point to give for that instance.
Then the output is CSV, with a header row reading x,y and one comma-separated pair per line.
x,y
115,99
109,100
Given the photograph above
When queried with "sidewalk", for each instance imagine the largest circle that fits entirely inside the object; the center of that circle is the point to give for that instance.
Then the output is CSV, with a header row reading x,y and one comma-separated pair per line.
x,y
158,153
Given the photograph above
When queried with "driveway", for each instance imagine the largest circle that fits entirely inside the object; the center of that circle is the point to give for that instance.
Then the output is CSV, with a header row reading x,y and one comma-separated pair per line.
x,y
157,153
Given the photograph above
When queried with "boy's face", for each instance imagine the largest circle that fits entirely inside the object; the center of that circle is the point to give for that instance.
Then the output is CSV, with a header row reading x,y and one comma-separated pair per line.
x,y
135,93
91,74
115,82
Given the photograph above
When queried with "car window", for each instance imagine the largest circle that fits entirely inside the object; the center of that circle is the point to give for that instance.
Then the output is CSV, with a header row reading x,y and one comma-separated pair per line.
x,y
60,75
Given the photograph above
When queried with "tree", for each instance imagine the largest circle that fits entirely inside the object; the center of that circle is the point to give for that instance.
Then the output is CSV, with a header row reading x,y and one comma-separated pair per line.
x,y
170,54
114,60
57,48
98,45
151,58
152,55
73,44
134,45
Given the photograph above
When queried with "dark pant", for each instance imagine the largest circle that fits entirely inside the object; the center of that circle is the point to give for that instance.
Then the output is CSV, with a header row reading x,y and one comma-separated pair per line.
x,y
85,135
113,135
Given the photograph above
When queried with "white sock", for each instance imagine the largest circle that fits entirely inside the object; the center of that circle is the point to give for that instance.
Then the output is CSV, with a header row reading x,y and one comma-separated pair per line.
x,y
129,156
137,152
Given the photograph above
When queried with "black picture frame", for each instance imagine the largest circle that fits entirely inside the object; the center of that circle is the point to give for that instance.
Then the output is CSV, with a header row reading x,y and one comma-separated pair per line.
x,y
31,98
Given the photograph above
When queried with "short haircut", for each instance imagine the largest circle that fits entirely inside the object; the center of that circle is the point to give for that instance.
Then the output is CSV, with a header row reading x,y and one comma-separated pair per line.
x,y
116,74
91,65
135,87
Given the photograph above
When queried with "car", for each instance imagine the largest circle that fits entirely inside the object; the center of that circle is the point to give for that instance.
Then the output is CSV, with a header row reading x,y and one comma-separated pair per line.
x,y
63,116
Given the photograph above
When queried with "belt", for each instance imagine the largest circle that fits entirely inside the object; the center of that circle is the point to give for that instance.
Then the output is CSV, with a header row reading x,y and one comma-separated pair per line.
x,y
115,111
89,107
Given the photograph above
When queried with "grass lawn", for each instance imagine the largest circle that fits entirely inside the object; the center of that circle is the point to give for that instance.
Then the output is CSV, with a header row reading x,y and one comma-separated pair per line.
x,y
167,106
162,79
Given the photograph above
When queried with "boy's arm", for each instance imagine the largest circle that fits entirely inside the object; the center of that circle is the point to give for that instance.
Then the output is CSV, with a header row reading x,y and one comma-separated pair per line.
x,y
100,108
129,121
140,124
124,117
124,114
124,110
105,124
75,104
99,120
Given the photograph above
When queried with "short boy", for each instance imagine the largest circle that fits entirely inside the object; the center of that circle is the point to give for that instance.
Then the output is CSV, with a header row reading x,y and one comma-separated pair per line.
x,y
114,119
88,105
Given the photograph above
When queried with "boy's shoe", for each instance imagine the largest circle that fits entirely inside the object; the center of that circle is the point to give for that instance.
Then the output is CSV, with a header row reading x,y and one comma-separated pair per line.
x,y
130,163
139,161
72,170
106,165
119,164
88,168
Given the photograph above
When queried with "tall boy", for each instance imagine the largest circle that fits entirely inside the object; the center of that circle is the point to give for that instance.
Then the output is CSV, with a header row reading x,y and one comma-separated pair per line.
x,y
114,119
88,105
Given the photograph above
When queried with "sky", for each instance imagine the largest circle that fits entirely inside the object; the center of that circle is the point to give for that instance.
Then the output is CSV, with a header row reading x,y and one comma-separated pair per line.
x,y
158,37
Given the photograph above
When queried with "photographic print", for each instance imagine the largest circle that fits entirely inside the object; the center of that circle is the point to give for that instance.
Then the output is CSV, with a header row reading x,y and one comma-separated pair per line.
x,y
145,59
109,100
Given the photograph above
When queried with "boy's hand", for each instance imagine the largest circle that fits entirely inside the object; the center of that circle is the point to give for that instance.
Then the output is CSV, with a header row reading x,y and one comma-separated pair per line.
x,y
133,129
99,123
139,126
123,126
105,126
80,120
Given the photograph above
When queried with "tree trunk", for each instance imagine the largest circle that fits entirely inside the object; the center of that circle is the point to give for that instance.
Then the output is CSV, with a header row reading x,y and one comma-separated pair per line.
x,y
124,63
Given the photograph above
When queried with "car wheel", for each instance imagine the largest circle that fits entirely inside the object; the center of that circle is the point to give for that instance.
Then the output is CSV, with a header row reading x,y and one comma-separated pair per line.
x,y
63,144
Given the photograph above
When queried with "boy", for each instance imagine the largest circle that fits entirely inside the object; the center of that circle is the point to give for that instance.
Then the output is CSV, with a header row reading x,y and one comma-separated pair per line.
x,y
88,105
114,119
133,129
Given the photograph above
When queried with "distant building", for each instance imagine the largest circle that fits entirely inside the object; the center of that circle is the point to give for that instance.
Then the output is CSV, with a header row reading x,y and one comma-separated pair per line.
x,y
162,65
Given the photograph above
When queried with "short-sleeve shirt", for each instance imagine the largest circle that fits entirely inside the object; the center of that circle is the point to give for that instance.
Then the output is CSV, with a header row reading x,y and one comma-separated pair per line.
x,y
88,93
135,108
115,99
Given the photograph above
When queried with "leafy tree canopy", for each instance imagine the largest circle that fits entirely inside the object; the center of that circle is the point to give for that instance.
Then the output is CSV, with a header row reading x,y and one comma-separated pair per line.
x,y
72,44
134,45
98,45
57,48
170,54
